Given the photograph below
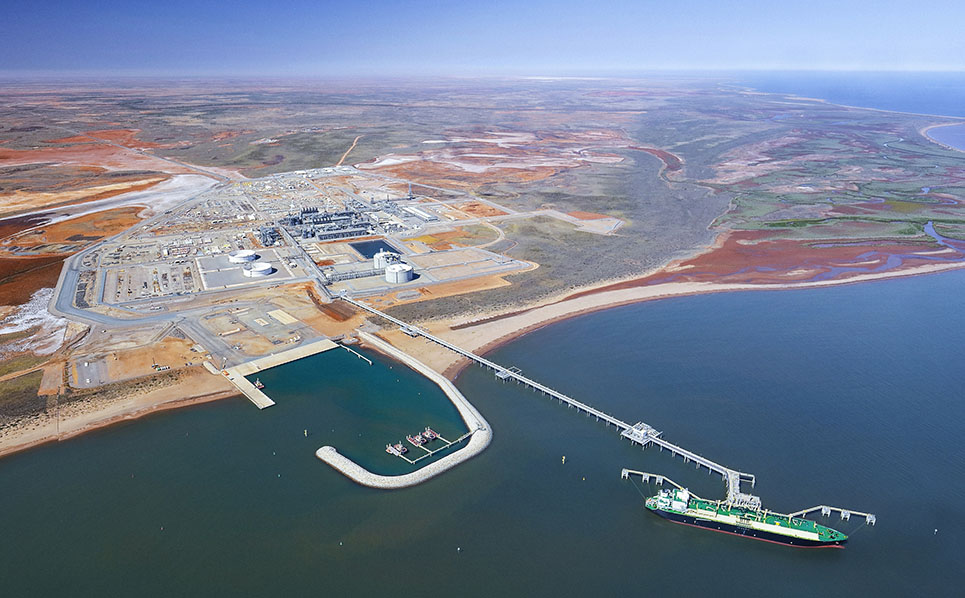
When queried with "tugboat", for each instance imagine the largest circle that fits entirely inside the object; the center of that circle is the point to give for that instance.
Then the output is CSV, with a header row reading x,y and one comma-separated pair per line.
x,y
430,434
258,384
416,440
396,449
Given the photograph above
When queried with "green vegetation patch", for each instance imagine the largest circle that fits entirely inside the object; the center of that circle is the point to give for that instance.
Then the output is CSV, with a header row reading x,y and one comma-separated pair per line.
x,y
20,363
18,396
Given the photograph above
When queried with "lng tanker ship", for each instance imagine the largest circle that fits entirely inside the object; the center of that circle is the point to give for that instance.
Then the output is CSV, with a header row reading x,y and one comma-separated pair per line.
x,y
680,506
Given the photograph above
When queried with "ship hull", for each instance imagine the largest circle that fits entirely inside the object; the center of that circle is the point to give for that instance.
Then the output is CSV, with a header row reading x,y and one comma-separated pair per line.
x,y
753,534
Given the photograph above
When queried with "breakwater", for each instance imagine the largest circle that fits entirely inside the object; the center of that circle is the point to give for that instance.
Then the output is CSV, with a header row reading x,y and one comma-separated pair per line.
x,y
479,435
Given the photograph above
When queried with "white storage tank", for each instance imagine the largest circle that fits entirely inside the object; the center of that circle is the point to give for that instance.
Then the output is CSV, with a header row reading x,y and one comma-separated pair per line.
x,y
398,273
384,258
242,256
258,269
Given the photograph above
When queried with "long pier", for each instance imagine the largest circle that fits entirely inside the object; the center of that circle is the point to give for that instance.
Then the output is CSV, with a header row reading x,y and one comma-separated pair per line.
x,y
639,433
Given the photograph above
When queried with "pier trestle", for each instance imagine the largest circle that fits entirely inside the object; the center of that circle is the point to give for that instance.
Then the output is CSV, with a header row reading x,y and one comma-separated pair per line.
x,y
639,433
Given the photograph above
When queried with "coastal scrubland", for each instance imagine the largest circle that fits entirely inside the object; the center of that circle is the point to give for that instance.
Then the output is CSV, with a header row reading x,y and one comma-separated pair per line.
x,y
709,184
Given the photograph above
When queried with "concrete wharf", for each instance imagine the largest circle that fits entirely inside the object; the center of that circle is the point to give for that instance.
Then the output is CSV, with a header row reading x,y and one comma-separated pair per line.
x,y
639,433
236,374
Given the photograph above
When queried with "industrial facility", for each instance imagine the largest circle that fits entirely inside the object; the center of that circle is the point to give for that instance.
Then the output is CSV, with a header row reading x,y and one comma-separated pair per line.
x,y
257,269
345,230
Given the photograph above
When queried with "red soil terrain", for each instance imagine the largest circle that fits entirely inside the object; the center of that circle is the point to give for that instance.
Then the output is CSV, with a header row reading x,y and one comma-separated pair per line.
x,y
477,208
467,159
750,257
125,137
21,276
671,162
586,215
92,153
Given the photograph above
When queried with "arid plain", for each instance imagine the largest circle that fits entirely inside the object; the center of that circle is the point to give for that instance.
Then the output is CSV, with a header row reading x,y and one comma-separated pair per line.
x,y
591,193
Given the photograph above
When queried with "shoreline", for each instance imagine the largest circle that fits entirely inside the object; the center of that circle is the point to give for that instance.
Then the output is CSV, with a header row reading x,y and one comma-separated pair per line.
x,y
924,133
111,419
490,334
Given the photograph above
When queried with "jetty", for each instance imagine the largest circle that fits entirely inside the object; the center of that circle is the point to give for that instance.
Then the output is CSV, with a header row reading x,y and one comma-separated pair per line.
x,y
236,374
638,433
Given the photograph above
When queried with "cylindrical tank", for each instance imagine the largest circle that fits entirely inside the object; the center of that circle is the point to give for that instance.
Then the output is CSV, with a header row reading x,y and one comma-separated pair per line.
x,y
242,256
258,269
398,273
384,258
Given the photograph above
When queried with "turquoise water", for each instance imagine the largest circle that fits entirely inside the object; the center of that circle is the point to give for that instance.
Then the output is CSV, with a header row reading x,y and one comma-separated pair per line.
x,y
849,396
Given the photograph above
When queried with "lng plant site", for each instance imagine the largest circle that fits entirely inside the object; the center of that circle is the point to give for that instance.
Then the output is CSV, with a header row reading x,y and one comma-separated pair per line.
x,y
341,233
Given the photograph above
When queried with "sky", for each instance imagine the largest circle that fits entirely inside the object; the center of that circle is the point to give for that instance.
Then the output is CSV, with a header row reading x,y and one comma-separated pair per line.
x,y
421,37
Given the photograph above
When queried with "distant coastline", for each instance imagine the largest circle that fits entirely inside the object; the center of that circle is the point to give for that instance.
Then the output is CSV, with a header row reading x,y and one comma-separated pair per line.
x,y
950,135
923,94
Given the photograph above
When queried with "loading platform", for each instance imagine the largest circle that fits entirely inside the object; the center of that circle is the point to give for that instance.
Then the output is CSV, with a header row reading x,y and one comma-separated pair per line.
x,y
639,433
429,452
236,374
826,511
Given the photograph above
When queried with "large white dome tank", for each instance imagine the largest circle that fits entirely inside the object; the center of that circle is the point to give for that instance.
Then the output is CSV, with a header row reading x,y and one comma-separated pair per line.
x,y
398,273
242,256
258,269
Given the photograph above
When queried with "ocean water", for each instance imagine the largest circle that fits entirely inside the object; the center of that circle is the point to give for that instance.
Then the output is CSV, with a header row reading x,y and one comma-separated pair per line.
x,y
922,93
953,136
849,396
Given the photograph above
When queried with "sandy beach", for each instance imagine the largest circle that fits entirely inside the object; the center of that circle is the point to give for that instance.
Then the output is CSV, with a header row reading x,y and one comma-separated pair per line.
x,y
924,131
72,419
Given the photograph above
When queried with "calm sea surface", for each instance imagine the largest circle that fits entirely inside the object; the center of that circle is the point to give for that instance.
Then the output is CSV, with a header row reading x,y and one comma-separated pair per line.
x,y
922,93
850,396
953,135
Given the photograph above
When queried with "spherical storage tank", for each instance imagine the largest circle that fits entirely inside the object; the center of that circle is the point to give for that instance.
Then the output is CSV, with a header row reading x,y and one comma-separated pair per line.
x,y
241,256
398,273
258,269
383,258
